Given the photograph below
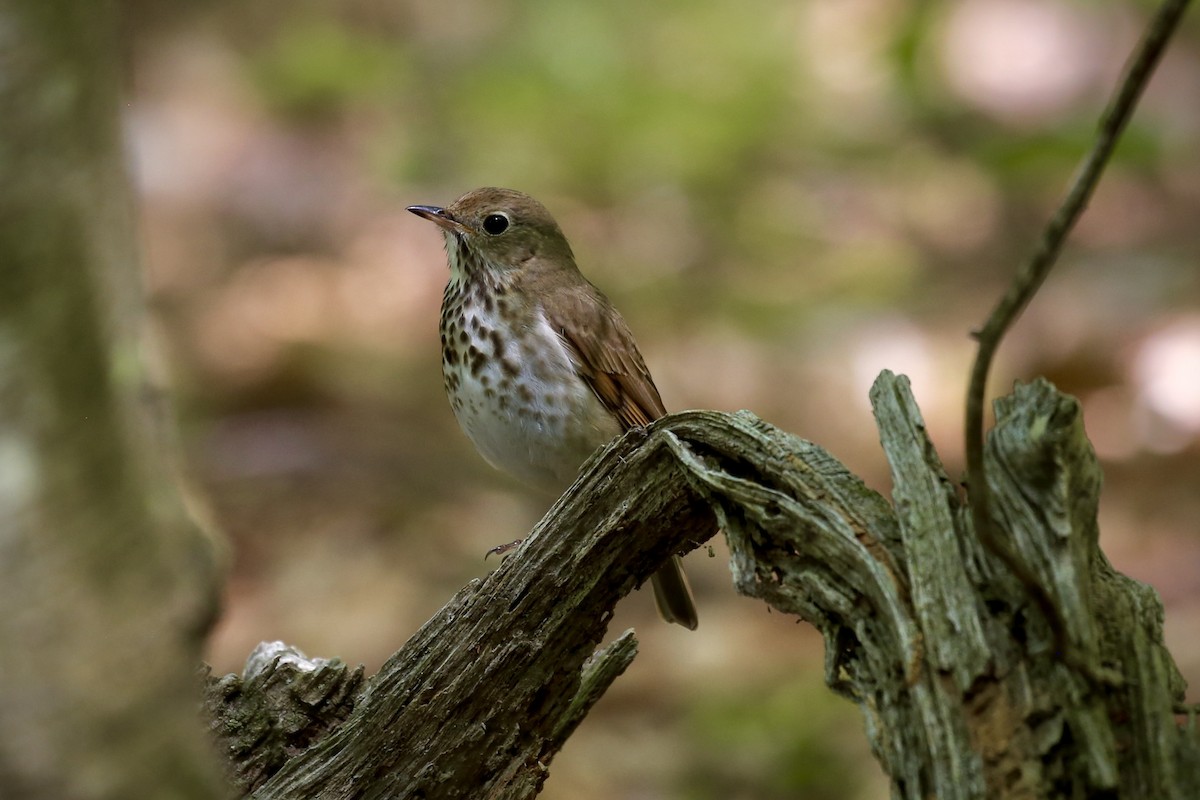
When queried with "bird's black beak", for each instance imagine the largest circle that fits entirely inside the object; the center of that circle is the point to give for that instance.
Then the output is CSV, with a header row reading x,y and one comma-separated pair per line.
x,y
439,216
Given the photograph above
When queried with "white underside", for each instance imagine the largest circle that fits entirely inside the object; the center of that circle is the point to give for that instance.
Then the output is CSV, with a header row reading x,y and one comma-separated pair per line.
x,y
535,447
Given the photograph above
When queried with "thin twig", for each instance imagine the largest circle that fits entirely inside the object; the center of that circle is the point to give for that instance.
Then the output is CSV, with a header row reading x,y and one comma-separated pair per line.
x,y
1030,278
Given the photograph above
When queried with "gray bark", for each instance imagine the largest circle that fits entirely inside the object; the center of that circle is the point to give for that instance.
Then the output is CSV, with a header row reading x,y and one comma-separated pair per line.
x,y
480,699
105,587
940,646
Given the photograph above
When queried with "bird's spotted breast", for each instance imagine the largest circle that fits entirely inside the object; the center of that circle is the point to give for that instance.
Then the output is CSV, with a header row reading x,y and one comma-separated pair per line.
x,y
515,391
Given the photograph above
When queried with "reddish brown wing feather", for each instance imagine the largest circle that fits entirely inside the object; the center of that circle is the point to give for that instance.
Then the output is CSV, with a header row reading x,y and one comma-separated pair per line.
x,y
607,356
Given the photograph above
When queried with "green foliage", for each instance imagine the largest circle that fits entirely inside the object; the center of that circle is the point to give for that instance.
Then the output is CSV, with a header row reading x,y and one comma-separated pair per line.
x,y
572,93
784,743
315,67
786,132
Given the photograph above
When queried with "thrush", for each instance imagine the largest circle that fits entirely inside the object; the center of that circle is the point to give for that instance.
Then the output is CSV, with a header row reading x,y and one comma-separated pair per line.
x,y
540,368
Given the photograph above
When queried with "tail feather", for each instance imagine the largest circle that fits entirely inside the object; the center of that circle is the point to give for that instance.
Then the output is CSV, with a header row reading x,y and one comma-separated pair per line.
x,y
673,595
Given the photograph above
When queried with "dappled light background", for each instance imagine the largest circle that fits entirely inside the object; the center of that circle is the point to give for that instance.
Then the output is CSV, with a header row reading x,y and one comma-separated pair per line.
x,y
783,198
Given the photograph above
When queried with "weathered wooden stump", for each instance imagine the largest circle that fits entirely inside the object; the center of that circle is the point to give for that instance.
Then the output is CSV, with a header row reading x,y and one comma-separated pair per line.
x,y
958,677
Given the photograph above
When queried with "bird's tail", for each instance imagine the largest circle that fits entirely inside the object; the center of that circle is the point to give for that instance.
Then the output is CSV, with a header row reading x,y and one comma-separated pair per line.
x,y
673,595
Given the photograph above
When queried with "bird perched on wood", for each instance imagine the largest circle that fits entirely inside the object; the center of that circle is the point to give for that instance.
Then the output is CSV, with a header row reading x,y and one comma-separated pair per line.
x,y
539,367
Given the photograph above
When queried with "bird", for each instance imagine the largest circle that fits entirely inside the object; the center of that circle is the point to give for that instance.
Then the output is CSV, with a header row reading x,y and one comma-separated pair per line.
x,y
539,367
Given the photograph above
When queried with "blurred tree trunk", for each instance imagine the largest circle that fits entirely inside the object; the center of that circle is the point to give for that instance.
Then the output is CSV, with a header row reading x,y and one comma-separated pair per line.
x,y
940,646
106,588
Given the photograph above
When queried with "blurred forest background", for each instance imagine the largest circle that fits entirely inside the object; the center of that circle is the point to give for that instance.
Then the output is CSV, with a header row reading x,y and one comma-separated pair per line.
x,y
782,197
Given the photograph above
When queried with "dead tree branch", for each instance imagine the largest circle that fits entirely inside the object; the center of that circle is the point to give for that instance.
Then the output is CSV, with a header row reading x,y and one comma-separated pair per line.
x,y
1030,277
943,649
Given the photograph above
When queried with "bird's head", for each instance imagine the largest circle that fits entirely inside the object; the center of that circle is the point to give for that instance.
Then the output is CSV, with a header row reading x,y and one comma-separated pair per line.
x,y
497,230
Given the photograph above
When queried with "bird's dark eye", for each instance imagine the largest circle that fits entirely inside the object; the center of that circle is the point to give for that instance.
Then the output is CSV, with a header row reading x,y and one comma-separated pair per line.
x,y
495,224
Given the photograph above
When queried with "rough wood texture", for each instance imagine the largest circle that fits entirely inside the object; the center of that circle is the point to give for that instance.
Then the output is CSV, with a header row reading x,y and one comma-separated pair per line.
x,y
939,645
480,699
281,703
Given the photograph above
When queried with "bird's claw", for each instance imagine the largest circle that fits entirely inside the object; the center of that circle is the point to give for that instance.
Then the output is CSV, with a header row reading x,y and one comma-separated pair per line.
x,y
501,549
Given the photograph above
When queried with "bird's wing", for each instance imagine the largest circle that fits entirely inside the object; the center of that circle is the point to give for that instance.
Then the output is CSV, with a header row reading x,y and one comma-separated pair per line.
x,y
606,355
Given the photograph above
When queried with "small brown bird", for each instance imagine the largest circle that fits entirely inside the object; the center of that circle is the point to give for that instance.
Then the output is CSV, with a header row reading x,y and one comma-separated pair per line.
x,y
539,367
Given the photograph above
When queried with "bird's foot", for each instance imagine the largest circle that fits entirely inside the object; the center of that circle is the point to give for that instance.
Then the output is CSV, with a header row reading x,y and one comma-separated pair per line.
x,y
500,550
